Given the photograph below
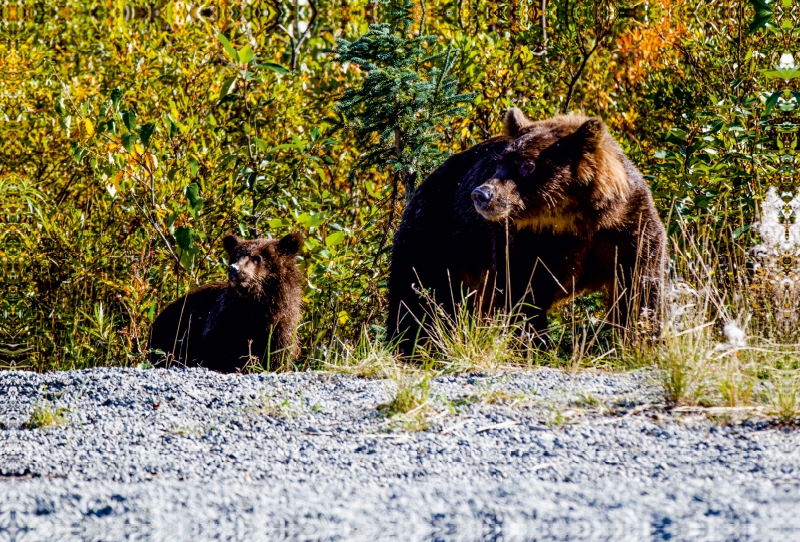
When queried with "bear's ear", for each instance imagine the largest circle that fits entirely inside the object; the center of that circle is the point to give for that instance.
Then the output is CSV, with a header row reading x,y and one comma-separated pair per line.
x,y
514,122
290,245
600,164
230,242
591,133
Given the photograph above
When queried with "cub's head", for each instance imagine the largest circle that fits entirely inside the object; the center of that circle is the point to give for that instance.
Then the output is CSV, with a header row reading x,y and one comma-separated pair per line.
x,y
260,266
553,173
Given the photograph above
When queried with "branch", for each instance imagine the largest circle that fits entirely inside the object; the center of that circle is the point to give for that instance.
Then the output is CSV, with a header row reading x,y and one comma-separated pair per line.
x,y
297,43
577,76
543,22
155,225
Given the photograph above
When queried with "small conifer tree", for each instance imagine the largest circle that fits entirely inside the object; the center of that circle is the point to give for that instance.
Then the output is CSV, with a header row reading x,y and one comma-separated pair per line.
x,y
406,96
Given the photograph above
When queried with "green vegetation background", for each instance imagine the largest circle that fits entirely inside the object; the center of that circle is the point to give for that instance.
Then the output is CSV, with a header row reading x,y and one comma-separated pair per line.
x,y
135,138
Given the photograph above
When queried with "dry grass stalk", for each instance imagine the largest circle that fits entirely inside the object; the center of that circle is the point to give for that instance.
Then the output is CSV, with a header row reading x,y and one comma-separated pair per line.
x,y
730,336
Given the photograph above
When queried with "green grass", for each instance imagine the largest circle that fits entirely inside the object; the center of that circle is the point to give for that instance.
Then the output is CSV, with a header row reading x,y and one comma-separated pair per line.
x,y
45,414
470,342
369,357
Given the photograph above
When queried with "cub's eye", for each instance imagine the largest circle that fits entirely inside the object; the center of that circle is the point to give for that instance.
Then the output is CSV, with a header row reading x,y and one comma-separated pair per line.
x,y
527,167
256,258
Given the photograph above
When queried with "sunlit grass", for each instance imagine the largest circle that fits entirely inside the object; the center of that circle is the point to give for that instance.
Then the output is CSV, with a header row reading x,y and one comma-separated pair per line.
x,y
409,407
469,342
45,414
370,356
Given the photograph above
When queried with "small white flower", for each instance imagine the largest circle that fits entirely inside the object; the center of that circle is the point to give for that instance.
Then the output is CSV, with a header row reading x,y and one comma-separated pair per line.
x,y
735,335
786,62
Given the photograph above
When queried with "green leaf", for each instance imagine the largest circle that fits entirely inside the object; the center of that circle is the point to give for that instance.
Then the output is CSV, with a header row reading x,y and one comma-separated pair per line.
x,y
127,141
78,152
334,239
116,94
227,159
679,134
320,172
250,180
763,15
278,223
311,221
226,87
59,106
229,98
193,166
184,237
129,119
246,54
260,143
187,258
146,132
771,101
289,146
65,122
277,68
715,127
234,56
192,193
171,223
781,74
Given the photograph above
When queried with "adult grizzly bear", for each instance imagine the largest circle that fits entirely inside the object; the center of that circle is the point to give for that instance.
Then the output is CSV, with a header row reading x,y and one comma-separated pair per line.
x,y
253,315
549,209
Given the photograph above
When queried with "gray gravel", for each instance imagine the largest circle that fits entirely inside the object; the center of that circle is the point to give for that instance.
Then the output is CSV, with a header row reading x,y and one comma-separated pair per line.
x,y
189,454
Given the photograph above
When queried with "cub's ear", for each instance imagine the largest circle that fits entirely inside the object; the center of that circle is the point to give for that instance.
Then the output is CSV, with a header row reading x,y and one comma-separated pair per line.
x,y
591,133
514,122
230,242
290,245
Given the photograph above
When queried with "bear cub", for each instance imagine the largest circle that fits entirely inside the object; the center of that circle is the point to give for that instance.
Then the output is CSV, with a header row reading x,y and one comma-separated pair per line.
x,y
253,315
548,210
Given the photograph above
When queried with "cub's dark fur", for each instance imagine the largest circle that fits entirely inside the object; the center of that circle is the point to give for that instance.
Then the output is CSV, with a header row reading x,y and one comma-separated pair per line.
x,y
223,325
557,199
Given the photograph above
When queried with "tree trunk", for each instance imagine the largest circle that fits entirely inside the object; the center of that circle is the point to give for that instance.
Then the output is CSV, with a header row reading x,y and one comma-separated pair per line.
x,y
407,175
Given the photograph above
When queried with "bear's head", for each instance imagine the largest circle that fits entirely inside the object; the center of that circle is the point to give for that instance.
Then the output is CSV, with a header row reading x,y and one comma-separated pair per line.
x,y
554,174
260,266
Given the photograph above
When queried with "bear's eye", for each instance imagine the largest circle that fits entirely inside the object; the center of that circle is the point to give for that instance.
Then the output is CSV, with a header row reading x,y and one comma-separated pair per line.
x,y
527,167
256,258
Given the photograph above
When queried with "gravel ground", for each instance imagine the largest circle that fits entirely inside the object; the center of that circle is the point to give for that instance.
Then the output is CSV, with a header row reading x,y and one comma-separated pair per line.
x,y
170,455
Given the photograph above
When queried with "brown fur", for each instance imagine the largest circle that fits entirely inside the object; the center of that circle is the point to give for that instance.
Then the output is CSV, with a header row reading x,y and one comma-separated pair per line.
x,y
251,317
556,199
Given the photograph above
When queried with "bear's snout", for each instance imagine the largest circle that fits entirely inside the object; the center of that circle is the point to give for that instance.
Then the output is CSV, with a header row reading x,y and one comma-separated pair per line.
x,y
482,196
496,199
233,272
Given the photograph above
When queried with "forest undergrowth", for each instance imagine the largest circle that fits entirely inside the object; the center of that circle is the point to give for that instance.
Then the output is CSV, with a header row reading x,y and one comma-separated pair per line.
x,y
137,137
